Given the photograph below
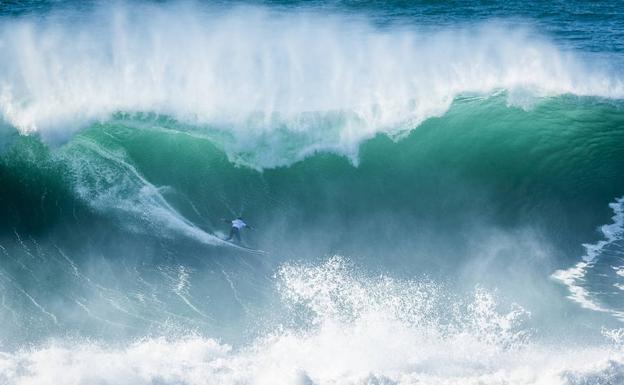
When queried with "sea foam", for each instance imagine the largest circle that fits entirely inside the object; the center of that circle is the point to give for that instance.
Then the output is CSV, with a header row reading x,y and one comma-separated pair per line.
x,y
355,329
574,278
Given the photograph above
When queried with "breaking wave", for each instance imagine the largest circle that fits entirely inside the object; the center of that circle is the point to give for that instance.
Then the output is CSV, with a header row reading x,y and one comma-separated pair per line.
x,y
255,78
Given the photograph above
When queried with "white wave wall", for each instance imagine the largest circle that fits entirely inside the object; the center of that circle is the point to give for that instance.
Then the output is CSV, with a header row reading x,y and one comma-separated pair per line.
x,y
329,80
306,360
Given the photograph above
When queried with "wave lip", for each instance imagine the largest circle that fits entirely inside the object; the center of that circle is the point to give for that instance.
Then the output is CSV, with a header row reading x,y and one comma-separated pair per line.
x,y
330,80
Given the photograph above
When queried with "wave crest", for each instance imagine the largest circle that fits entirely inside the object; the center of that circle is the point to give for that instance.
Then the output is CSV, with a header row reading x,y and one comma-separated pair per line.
x,y
329,80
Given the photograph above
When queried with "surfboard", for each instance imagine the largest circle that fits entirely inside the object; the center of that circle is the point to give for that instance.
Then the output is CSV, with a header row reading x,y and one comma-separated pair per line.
x,y
241,247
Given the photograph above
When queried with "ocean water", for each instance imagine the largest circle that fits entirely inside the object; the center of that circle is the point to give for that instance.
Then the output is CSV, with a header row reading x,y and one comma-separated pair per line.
x,y
438,189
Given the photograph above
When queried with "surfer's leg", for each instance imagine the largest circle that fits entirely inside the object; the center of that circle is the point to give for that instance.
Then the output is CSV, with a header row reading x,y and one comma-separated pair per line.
x,y
232,232
237,236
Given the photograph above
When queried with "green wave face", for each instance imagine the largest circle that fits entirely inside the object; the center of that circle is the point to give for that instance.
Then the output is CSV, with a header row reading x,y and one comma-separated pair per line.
x,y
487,193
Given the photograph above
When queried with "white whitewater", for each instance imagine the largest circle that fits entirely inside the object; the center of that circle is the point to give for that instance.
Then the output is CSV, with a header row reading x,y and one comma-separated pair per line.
x,y
255,74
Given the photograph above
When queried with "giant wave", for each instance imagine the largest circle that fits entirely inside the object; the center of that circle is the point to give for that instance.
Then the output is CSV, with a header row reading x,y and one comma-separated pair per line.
x,y
461,170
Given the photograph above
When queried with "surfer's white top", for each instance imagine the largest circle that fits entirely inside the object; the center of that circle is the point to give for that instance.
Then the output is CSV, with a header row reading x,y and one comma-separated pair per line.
x,y
239,224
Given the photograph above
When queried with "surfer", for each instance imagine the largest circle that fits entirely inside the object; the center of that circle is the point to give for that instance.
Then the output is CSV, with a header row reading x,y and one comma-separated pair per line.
x,y
237,225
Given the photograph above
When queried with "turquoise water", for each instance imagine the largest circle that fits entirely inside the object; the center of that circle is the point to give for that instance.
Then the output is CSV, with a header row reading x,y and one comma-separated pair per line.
x,y
437,188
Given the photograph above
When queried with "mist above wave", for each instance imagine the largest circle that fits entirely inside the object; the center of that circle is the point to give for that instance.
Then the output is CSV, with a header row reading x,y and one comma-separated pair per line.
x,y
314,80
